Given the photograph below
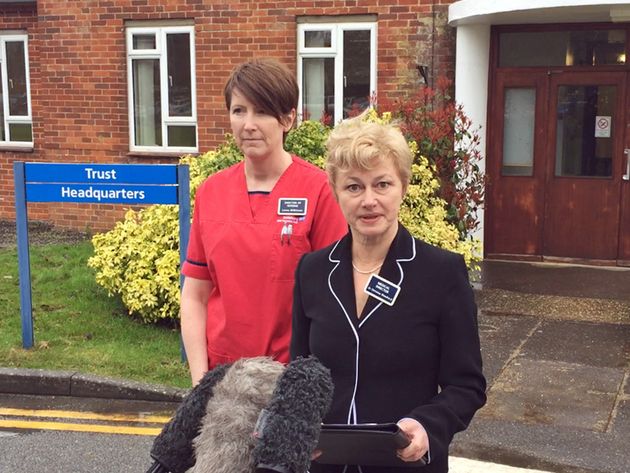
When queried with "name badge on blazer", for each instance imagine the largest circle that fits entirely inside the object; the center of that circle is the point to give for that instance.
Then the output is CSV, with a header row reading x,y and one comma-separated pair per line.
x,y
382,289
292,206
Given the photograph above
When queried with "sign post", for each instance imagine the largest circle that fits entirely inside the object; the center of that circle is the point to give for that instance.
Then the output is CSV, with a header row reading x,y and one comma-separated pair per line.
x,y
130,184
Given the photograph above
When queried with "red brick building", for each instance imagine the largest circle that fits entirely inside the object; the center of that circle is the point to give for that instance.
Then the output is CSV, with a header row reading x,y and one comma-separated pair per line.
x,y
137,81
133,81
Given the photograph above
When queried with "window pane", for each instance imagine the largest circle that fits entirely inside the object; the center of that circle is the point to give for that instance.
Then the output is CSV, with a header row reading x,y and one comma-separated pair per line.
x,y
179,80
584,134
562,48
146,102
16,72
356,72
518,132
182,136
21,132
317,39
144,41
318,89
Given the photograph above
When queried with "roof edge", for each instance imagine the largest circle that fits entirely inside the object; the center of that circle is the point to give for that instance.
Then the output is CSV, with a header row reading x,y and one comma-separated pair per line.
x,y
536,11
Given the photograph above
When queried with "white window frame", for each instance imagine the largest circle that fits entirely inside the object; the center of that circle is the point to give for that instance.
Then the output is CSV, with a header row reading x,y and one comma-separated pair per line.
x,y
335,51
159,53
15,119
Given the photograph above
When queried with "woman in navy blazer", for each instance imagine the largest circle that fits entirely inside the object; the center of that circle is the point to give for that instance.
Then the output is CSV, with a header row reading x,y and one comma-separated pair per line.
x,y
392,317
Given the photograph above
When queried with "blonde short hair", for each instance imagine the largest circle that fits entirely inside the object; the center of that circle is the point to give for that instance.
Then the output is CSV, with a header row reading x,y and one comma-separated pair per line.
x,y
356,143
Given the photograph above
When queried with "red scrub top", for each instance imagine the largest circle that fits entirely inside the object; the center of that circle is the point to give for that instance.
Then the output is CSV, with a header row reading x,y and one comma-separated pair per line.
x,y
251,257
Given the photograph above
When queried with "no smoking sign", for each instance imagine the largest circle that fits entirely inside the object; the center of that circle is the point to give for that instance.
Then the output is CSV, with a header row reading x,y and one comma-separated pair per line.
x,y
602,126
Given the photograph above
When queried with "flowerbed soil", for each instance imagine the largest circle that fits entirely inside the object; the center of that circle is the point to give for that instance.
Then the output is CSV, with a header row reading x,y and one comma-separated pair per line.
x,y
40,233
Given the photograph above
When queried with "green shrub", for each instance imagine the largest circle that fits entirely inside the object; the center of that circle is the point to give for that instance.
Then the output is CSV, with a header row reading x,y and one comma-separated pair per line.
x,y
309,142
444,134
139,259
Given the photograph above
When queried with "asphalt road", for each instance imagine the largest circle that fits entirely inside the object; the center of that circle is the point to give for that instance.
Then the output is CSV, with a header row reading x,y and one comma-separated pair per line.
x,y
38,435
57,452
45,452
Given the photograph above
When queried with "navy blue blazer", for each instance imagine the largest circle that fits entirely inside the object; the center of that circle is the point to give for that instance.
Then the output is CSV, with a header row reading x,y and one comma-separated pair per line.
x,y
419,358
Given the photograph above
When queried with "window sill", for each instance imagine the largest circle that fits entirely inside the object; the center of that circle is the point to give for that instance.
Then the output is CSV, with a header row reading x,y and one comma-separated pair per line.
x,y
157,154
16,149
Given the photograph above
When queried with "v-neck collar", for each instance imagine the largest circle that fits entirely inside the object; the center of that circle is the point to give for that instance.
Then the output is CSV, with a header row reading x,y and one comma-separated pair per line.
x,y
341,280
266,211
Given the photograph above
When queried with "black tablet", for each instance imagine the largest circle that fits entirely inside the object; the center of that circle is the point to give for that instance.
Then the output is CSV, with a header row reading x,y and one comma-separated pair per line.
x,y
363,444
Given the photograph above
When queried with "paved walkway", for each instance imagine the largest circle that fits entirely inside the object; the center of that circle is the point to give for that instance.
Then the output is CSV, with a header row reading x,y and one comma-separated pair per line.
x,y
556,347
463,465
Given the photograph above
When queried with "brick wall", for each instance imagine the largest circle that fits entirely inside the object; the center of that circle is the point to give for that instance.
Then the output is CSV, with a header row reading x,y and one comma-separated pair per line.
x,y
79,78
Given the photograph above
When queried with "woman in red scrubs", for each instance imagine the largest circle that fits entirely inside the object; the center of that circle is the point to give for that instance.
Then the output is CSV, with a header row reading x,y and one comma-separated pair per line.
x,y
251,224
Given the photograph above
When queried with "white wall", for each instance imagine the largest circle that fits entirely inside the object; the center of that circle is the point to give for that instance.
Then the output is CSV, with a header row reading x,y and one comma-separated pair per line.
x,y
472,60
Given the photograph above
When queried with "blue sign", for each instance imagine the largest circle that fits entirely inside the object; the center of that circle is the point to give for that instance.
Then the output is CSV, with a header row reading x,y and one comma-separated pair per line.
x,y
92,183
101,173
101,193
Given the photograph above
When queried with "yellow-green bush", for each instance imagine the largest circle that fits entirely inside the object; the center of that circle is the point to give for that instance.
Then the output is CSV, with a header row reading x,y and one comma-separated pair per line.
x,y
139,258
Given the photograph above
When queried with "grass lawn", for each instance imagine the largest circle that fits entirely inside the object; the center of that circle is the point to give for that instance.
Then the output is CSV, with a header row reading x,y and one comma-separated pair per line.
x,y
77,327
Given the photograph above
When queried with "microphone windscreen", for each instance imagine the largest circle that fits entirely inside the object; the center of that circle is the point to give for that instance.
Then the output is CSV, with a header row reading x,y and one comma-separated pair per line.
x,y
289,428
225,442
173,448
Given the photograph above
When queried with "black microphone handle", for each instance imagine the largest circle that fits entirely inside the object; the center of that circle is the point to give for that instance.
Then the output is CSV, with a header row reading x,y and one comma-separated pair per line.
x,y
156,467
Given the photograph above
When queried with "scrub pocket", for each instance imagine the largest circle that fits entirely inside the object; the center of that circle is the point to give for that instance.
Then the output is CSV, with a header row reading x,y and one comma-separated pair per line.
x,y
285,256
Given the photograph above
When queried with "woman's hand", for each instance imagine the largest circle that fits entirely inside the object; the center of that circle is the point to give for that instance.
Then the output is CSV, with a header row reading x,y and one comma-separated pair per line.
x,y
419,445
316,454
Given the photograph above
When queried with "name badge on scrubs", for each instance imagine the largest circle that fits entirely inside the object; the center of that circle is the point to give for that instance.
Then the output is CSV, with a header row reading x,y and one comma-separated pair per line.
x,y
382,289
292,206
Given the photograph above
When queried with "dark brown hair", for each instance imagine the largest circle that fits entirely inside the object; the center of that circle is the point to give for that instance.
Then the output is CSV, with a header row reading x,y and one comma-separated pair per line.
x,y
267,83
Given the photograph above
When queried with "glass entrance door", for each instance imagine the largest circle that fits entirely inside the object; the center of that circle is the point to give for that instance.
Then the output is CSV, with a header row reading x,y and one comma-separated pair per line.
x,y
516,166
559,122
584,165
623,257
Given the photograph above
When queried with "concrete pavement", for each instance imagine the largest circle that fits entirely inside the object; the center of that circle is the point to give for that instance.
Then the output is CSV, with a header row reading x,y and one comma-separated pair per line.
x,y
556,348
465,465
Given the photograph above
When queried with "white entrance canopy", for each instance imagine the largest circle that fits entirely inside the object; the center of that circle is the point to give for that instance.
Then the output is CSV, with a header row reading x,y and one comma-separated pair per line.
x,y
493,12
473,19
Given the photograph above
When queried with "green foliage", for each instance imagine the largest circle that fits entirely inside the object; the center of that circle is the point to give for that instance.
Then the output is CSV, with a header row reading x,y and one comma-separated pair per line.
x,y
444,135
425,216
309,142
139,258
423,210
213,161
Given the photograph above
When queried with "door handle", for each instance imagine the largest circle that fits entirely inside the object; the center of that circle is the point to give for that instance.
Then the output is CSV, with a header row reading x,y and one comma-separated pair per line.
x,y
626,176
